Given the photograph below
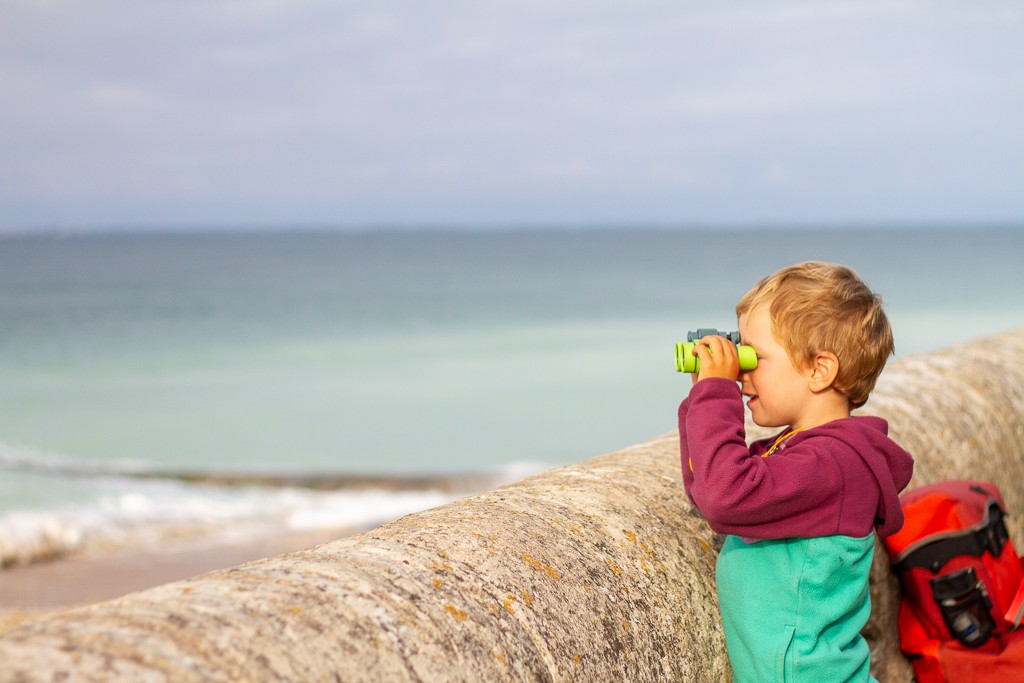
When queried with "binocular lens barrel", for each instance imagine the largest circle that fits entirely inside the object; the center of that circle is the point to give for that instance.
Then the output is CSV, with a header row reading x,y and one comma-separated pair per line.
x,y
687,362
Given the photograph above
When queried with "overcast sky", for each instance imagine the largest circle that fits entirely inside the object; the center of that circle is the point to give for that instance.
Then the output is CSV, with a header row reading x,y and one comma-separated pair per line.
x,y
139,113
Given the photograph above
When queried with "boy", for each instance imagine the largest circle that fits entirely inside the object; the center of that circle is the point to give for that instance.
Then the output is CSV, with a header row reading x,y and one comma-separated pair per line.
x,y
799,508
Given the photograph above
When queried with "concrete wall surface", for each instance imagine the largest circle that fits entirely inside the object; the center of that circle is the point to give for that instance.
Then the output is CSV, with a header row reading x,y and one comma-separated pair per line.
x,y
599,571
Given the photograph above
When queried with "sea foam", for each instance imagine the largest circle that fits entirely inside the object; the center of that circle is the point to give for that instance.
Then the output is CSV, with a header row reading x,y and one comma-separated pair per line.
x,y
130,508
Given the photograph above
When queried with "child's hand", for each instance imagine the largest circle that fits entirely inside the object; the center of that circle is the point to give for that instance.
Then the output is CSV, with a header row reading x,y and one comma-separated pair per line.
x,y
718,358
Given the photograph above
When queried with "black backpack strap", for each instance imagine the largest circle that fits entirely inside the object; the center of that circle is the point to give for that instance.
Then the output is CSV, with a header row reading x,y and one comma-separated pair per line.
x,y
989,536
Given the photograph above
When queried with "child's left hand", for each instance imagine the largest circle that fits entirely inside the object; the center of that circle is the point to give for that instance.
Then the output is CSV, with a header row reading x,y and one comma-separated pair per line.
x,y
718,358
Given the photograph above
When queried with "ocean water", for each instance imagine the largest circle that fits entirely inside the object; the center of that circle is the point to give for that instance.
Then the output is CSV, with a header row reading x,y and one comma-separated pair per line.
x,y
152,382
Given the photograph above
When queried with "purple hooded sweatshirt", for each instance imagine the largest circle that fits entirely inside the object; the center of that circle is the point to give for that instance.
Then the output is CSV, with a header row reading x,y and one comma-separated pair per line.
x,y
792,574
843,477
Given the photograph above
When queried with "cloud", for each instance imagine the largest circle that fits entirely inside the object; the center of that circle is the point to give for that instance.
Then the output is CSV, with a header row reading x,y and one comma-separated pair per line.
x,y
434,111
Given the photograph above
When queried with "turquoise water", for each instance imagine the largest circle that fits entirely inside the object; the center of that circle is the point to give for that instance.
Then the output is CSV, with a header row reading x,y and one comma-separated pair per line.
x,y
399,353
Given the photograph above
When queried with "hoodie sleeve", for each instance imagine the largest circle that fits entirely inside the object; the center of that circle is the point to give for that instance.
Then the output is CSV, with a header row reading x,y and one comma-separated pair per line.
x,y
816,484
724,397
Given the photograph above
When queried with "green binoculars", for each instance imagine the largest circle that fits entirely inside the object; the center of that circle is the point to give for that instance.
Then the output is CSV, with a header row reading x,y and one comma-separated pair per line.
x,y
687,362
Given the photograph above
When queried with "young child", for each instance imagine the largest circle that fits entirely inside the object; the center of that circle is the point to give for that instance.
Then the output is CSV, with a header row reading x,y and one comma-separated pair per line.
x,y
799,508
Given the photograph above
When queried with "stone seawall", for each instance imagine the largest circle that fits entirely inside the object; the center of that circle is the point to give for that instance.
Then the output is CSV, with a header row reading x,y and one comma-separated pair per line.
x,y
597,571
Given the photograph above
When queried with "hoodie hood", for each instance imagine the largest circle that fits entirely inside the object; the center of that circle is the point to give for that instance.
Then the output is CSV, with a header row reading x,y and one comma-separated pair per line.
x,y
889,463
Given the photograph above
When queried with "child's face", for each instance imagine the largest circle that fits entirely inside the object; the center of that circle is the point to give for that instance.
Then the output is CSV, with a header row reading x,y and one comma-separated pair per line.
x,y
778,393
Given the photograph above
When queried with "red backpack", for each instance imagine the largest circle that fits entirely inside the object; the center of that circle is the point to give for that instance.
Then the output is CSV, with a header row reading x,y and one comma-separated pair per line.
x,y
963,584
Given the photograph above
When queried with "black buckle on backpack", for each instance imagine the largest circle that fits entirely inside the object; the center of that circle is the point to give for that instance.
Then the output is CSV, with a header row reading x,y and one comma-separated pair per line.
x,y
988,536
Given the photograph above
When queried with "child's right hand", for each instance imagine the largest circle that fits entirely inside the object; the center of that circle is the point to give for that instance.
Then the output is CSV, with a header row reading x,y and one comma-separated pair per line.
x,y
718,358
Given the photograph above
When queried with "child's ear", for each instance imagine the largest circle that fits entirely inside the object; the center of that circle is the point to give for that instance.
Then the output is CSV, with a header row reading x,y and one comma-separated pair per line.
x,y
824,370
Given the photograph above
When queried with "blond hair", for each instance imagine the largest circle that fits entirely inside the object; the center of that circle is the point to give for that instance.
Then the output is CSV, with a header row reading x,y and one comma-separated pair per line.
x,y
817,306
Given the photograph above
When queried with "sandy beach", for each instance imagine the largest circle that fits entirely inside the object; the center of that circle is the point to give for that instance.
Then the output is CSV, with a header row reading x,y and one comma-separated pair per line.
x,y
30,591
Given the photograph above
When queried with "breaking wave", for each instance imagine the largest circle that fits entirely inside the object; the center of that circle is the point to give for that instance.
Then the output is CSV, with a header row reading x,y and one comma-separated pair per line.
x,y
126,505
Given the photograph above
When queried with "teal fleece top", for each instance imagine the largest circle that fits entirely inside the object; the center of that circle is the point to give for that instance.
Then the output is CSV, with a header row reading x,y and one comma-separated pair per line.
x,y
792,609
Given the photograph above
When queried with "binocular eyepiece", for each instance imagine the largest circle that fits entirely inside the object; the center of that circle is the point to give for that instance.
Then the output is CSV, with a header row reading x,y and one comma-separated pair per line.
x,y
687,362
